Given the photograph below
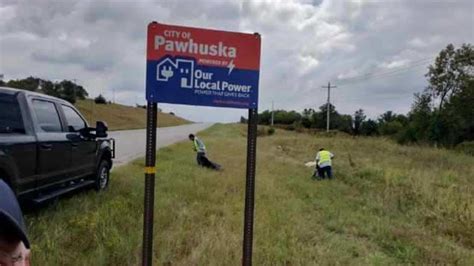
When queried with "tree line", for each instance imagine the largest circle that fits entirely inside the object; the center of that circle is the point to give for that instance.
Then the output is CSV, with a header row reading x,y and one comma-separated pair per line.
x,y
65,89
388,123
442,114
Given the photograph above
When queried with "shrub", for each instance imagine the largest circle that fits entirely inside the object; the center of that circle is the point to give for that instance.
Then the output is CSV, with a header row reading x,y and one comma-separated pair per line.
x,y
391,128
263,131
407,135
100,99
271,131
466,147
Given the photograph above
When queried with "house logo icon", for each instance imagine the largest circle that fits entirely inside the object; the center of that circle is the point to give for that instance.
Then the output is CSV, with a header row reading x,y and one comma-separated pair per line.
x,y
181,69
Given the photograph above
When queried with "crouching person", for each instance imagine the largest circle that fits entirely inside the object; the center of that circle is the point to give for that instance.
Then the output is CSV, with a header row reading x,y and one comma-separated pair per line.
x,y
324,163
201,157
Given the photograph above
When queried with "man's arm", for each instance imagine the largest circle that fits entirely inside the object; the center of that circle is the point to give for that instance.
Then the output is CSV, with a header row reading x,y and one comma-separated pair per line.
x,y
317,157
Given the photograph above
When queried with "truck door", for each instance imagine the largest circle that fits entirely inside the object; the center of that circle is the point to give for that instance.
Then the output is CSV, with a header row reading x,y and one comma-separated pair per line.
x,y
17,145
54,148
83,149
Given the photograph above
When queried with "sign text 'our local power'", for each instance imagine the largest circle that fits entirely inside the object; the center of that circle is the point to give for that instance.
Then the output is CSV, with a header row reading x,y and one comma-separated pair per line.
x,y
202,67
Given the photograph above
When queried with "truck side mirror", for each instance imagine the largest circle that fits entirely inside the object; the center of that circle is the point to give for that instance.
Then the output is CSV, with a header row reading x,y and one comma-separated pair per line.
x,y
101,129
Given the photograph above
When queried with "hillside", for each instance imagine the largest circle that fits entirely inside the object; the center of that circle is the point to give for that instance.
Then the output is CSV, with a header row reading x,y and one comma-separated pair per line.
x,y
388,205
120,117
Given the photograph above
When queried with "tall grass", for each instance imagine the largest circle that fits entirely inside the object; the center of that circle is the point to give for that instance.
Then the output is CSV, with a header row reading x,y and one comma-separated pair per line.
x,y
388,204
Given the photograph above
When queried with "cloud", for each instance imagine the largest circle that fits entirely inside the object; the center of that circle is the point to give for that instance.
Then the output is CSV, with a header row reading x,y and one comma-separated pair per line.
x,y
305,44
395,64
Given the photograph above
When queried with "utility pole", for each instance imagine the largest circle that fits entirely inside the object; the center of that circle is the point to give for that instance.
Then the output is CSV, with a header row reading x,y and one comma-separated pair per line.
x,y
113,93
74,88
272,113
93,110
40,85
328,105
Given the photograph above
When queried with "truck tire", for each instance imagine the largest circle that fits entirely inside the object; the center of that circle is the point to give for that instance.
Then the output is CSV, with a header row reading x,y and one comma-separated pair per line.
x,y
102,176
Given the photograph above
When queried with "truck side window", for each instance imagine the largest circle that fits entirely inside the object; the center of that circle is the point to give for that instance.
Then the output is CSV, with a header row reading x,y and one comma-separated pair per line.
x,y
10,115
47,115
73,119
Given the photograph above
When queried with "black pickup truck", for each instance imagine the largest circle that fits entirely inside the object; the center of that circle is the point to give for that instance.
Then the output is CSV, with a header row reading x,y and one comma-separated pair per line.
x,y
48,149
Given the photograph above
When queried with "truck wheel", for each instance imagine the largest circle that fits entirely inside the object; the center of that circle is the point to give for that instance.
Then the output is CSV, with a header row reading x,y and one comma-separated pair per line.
x,y
102,176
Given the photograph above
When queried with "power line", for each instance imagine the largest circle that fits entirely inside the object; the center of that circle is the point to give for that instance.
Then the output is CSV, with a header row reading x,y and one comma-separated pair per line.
x,y
272,113
374,75
401,70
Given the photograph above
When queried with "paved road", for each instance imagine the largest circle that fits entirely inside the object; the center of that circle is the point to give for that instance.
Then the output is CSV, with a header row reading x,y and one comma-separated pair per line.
x,y
130,144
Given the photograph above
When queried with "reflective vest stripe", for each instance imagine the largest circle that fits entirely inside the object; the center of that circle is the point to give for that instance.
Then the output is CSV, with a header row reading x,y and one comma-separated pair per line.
x,y
196,145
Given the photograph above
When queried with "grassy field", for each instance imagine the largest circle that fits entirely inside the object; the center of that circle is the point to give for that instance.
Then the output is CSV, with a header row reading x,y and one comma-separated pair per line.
x,y
388,205
120,117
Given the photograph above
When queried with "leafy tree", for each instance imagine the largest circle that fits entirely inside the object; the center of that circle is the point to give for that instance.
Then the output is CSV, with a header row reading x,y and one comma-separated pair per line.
x,y
307,118
70,91
342,123
421,116
286,118
65,89
391,128
50,88
461,109
451,79
369,128
320,117
451,70
359,118
308,112
29,84
386,117
390,123
280,117
264,118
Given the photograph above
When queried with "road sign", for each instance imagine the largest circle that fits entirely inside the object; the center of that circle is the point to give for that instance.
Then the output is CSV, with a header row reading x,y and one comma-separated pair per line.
x,y
202,67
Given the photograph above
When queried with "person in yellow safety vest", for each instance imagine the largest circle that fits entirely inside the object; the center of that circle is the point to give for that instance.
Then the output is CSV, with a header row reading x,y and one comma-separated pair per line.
x,y
323,163
200,150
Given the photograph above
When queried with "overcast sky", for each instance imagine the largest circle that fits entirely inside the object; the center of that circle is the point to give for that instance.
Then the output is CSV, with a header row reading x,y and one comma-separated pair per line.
x,y
305,44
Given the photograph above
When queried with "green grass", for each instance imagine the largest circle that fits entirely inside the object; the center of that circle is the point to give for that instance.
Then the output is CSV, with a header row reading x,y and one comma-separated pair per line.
x,y
120,117
389,204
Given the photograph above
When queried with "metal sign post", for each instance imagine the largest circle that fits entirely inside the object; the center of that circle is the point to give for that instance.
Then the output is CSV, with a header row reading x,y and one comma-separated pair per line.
x,y
204,67
150,171
250,187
